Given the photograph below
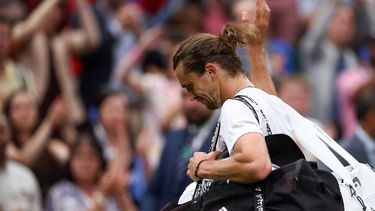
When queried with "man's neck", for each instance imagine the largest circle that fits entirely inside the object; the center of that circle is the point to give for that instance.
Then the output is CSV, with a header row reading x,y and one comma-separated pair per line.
x,y
230,86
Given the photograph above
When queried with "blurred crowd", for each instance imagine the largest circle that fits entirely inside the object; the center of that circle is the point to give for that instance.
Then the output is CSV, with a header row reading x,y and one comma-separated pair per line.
x,y
93,117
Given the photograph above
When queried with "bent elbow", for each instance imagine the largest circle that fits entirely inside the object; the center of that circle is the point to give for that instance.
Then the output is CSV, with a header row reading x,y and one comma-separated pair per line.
x,y
261,171
266,170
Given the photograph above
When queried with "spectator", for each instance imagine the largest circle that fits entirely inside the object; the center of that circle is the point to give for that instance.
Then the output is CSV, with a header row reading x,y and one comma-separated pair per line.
x,y
361,144
113,132
34,44
98,65
307,10
89,187
325,53
348,82
12,75
19,189
295,91
32,143
160,93
28,43
179,146
78,41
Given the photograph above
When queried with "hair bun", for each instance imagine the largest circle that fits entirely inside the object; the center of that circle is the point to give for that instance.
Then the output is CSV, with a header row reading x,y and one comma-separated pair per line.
x,y
229,35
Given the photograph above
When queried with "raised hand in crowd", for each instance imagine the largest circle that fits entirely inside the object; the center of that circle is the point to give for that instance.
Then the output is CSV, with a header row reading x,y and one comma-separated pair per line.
x,y
29,145
88,36
40,39
122,142
145,42
115,184
130,16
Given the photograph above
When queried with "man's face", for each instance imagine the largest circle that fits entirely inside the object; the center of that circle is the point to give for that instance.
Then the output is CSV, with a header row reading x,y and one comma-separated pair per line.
x,y
202,88
195,112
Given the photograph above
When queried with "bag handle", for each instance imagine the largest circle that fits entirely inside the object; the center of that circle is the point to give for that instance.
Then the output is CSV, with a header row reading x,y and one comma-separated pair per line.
x,y
248,101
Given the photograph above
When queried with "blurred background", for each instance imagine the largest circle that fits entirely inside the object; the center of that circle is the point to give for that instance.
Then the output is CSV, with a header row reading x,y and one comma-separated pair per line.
x,y
93,117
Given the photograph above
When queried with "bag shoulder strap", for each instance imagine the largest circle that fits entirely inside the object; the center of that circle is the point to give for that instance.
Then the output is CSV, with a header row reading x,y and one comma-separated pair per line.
x,y
248,101
317,143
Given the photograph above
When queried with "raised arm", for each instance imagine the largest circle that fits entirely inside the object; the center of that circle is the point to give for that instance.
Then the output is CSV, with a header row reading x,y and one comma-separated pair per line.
x,y
259,72
370,8
88,36
67,81
315,32
147,39
32,150
33,23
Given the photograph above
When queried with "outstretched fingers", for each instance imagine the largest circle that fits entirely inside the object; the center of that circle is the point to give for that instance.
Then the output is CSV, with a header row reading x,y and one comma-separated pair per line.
x,y
262,15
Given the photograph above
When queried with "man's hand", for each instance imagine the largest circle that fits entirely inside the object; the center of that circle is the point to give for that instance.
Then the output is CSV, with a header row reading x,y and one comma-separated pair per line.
x,y
261,22
196,159
259,73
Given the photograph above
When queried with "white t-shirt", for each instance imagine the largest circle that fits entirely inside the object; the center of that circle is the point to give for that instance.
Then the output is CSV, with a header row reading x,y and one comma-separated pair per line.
x,y
237,119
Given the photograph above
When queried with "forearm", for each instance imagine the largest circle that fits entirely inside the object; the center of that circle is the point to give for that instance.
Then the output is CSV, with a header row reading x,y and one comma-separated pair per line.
x,y
318,27
130,62
89,24
36,58
67,81
35,145
34,22
235,168
259,72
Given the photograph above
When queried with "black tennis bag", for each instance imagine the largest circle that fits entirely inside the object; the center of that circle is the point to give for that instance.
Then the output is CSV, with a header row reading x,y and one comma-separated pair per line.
x,y
296,185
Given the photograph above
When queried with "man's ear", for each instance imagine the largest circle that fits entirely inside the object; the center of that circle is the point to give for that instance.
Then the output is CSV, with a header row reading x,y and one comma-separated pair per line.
x,y
211,70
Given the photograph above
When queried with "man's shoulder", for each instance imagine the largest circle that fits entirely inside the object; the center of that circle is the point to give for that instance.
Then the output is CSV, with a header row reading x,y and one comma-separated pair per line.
x,y
251,95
